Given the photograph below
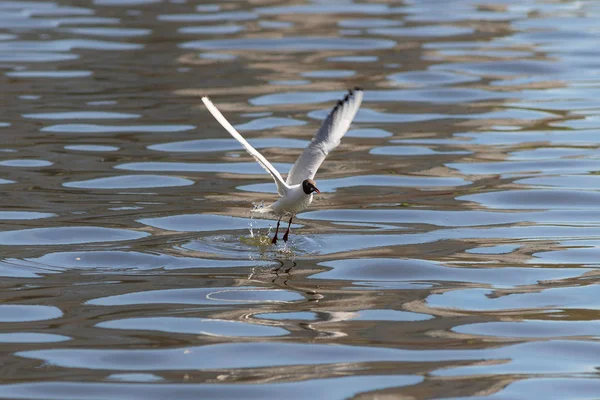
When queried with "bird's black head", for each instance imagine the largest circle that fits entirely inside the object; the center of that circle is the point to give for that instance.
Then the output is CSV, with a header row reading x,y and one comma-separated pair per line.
x,y
309,186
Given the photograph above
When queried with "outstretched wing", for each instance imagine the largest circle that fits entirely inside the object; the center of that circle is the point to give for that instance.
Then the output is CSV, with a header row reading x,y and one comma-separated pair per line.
x,y
327,138
282,187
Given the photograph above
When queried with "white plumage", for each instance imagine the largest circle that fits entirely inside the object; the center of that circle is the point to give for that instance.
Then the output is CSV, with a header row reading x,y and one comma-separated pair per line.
x,y
328,137
297,190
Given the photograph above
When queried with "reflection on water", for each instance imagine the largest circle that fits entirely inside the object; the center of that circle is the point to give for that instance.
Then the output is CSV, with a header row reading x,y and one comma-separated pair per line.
x,y
452,253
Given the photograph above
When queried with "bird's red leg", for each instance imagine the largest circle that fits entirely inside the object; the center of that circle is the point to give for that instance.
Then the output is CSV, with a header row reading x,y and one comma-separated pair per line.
x,y
274,241
285,237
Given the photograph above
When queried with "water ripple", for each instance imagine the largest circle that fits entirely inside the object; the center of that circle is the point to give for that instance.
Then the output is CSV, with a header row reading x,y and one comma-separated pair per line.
x,y
289,44
211,296
130,182
336,388
66,235
457,237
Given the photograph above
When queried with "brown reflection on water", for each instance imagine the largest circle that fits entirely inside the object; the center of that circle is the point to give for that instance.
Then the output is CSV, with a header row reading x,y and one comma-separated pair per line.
x,y
425,245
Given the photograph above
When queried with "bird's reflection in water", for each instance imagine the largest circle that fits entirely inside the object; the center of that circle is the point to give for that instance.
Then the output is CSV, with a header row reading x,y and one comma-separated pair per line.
x,y
290,275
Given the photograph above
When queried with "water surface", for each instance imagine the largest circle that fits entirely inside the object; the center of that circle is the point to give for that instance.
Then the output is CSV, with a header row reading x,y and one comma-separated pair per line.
x,y
452,253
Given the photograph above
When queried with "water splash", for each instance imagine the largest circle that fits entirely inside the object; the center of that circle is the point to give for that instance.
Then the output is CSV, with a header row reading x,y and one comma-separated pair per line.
x,y
255,206
251,225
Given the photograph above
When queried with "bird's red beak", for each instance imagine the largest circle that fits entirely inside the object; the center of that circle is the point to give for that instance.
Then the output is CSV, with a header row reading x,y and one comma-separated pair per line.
x,y
317,190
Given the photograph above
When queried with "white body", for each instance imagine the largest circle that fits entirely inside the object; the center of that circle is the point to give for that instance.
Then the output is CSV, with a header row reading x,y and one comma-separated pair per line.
x,y
291,204
293,198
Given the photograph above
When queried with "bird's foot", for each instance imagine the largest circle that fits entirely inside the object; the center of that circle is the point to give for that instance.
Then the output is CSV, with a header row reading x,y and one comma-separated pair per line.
x,y
274,241
285,237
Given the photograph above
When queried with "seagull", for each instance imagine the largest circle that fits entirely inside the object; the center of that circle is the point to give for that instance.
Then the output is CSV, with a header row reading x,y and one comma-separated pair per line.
x,y
297,190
